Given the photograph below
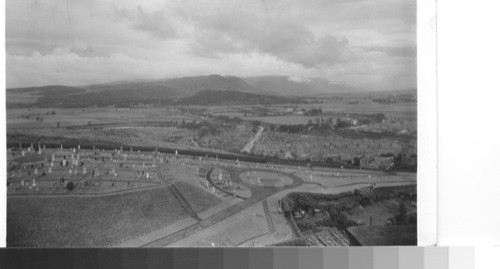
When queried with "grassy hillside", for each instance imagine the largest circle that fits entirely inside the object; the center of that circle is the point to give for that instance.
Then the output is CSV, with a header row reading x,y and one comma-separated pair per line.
x,y
97,221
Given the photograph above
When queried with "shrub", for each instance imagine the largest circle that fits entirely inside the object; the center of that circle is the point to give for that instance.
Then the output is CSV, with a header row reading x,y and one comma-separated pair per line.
x,y
339,218
70,186
401,216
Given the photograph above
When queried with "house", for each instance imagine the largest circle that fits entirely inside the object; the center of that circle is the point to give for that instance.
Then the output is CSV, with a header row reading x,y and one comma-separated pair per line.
x,y
376,162
364,162
334,159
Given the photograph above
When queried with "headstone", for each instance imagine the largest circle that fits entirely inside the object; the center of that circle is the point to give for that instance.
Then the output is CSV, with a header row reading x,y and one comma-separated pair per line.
x,y
50,170
23,153
311,177
36,171
84,170
176,152
34,183
22,182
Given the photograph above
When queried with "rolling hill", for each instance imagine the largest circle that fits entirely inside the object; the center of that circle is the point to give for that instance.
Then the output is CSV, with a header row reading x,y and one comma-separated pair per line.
x,y
200,90
213,97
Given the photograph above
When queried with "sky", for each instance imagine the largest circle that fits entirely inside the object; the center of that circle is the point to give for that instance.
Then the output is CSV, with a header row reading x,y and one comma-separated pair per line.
x,y
368,44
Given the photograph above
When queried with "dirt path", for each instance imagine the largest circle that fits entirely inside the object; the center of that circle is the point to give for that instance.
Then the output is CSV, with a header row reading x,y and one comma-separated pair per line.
x,y
185,204
270,224
249,146
269,219
258,195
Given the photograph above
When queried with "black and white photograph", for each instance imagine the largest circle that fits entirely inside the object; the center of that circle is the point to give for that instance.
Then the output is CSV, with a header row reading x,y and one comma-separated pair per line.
x,y
187,123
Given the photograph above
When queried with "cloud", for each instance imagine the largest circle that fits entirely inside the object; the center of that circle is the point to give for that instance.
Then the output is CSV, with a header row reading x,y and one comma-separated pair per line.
x,y
367,43
289,41
155,23
406,51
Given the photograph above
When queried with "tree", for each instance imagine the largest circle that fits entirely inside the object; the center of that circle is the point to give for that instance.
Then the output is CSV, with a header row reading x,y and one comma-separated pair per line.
x,y
401,216
70,186
379,117
330,121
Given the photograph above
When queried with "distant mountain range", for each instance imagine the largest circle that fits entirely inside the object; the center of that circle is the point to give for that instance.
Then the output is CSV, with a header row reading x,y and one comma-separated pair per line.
x,y
282,85
186,90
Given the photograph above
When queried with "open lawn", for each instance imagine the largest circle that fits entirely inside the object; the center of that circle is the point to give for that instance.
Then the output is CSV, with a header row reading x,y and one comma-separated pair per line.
x,y
97,221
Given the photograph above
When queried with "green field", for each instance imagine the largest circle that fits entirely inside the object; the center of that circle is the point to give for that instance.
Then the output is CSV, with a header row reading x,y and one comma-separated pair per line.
x,y
97,221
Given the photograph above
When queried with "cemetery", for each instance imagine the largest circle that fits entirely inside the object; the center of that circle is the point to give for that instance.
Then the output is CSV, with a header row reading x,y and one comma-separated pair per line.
x,y
201,191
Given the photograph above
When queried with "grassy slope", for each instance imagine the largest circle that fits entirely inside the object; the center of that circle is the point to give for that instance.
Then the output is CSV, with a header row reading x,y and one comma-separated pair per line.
x,y
198,199
99,221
